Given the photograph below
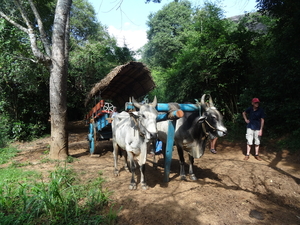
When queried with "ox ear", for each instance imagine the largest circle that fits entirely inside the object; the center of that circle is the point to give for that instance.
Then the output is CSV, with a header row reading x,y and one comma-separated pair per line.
x,y
211,103
135,103
201,119
154,103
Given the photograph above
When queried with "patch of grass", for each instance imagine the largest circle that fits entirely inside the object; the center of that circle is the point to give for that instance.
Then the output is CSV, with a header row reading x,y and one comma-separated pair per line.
x,y
71,159
46,152
16,164
61,199
16,174
28,199
7,153
46,160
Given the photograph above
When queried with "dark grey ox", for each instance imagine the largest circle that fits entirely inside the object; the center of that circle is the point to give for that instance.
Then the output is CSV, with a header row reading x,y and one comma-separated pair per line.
x,y
132,132
192,132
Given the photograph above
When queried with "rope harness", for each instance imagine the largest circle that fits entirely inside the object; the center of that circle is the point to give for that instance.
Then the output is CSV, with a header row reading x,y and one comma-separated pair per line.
x,y
204,128
138,124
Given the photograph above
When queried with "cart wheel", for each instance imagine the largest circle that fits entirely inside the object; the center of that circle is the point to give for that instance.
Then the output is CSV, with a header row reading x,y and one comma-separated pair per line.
x,y
108,107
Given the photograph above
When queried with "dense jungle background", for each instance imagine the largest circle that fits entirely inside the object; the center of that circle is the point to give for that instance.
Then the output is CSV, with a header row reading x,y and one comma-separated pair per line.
x,y
192,50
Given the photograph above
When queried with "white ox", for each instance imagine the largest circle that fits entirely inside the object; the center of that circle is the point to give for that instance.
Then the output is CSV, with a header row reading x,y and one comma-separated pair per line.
x,y
132,132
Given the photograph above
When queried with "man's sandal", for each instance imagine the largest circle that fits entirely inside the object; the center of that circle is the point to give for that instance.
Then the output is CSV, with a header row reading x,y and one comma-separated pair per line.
x,y
246,157
257,157
213,151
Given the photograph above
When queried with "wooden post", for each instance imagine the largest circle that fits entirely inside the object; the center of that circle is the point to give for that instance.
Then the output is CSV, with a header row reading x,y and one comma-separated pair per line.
x,y
169,149
91,138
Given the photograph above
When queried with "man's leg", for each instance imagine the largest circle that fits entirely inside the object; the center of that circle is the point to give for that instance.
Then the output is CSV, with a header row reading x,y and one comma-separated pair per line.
x,y
212,145
248,152
257,153
249,137
257,143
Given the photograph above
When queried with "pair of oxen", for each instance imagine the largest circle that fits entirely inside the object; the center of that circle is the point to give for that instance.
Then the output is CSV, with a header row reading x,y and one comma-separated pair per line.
x,y
132,133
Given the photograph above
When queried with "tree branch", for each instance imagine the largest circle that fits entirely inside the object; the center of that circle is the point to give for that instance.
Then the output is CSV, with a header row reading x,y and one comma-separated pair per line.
x,y
41,28
32,37
7,18
23,58
23,14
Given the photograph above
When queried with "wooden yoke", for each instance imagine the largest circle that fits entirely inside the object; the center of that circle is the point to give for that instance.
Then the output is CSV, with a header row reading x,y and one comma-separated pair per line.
x,y
171,115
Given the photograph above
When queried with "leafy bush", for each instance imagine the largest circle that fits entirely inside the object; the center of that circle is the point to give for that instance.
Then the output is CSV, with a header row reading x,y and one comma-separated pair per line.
x,y
4,131
22,131
291,142
236,130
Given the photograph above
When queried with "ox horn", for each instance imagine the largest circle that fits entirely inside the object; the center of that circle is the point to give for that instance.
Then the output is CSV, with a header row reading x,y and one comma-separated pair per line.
x,y
154,103
135,103
211,103
202,99
203,104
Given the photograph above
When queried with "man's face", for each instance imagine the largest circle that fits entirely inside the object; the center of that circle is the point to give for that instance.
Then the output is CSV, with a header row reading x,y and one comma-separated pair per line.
x,y
255,104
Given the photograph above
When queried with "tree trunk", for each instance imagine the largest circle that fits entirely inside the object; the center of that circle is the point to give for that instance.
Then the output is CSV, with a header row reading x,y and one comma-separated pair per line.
x,y
58,83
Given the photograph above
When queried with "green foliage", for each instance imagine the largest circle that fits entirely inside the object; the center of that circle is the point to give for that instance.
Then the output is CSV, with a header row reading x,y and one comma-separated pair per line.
x,y
93,62
212,61
62,199
236,129
191,51
275,77
84,24
29,131
160,90
166,33
24,101
290,142
6,154
4,131
24,84
234,61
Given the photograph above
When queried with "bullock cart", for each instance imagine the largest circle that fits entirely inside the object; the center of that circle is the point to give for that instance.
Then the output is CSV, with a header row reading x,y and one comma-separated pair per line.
x,y
123,82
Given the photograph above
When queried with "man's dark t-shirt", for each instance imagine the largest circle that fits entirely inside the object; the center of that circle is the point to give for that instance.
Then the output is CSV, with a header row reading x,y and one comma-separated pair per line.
x,y
254,117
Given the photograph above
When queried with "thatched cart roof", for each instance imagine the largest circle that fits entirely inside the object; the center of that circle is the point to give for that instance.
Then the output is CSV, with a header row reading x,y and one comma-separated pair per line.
x,y
124,81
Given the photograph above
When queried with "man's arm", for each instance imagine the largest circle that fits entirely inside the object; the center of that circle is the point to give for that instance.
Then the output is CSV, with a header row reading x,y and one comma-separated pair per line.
x,y
245,117
262,123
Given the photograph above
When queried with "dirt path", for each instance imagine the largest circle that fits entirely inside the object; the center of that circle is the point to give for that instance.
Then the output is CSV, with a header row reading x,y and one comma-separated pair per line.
x,y
229,190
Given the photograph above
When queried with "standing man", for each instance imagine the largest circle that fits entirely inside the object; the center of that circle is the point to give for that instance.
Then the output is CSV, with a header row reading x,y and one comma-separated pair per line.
x,y
255,124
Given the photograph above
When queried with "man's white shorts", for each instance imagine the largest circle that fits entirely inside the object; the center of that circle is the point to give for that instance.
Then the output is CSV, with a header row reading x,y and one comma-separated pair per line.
x,y
252,135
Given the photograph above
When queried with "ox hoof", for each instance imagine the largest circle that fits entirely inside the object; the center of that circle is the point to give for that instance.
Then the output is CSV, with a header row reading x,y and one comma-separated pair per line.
x,y
132,187
183,177
116,173
144,186
193,177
